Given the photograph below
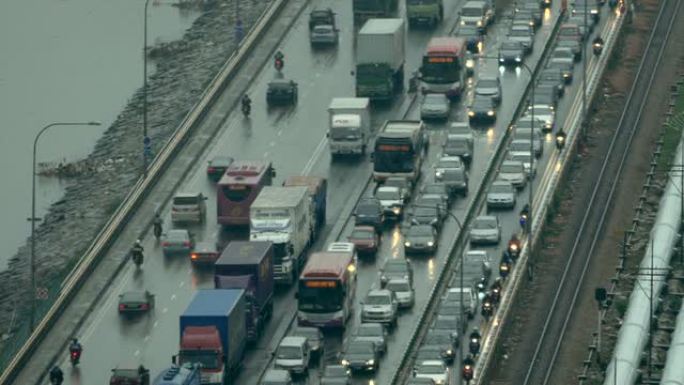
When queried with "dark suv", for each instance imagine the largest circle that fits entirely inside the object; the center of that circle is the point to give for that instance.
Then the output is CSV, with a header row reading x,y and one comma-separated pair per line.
x,y
369,212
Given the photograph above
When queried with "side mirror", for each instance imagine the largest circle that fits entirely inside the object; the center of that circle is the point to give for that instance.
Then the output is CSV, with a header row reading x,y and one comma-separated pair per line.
x,y
352,73
174,359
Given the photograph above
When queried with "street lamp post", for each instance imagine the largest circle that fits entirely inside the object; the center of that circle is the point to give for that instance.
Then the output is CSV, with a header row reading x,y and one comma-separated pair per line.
x,y
146,139
33,219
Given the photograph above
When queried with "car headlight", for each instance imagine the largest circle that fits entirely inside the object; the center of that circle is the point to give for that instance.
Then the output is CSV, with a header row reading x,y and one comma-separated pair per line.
x,y
479,23
370,362
430,243
396,210
463,22
345,363
594,11
518,59
501,60
471,113
407,244
470,63
566,74
438,174
490,113
449,352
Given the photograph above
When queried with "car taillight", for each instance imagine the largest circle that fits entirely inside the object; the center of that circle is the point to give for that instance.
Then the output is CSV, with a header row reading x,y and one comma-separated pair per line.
x,y
122,307
193,256
186,243
211,169
165,244
144,306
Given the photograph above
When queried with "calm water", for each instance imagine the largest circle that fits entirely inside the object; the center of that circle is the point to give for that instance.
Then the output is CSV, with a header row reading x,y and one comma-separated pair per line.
x,y
65,60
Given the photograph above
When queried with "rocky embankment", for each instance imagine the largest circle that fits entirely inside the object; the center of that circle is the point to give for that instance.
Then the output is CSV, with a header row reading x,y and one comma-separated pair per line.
x,y
183,70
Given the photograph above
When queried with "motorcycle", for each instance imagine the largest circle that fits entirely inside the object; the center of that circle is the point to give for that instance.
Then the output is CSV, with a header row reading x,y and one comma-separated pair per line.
x,y
279,62
514,249
495,294
157,230
75,357
467,372
487,309
598,48
246,109
504,269
523,221
137,257
474,346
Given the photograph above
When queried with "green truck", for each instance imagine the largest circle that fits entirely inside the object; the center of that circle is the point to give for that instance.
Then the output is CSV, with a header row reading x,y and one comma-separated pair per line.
x,y
364,9
380,59
424,11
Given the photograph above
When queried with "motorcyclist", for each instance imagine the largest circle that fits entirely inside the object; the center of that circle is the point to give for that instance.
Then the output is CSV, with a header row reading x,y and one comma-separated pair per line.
x,y
514,245
475,334
75,350
157,225
56,375
137,247
524,215
279,60
246,102
469,360
597,44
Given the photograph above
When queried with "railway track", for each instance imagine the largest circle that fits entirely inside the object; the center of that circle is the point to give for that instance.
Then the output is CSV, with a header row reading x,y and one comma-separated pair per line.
x,y
551,336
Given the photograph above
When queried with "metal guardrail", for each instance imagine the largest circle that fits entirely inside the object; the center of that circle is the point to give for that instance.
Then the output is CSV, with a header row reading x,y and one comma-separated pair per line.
x,y
134,198
552,175
457,245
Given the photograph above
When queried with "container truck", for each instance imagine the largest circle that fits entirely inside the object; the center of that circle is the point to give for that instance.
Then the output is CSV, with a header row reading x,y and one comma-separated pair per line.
x,y
284,216
380,59
249,266
213,334
349,128
318,191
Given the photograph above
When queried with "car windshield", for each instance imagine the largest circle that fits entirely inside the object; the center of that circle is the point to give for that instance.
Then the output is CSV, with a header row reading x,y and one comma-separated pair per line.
x,y
431,369
439,189
362,234
388,195
520,145
424,211
378,299
510,45
482,103
176,235
540,110
568,31
335,371
519,33
525,158
323,29
472,11
395,267
369,330
435,99
510,168
500,189
449,164
487,83
468,32
485,223
133,296
367,209
360,347
436,338
563,53
398,286
289,352
420,231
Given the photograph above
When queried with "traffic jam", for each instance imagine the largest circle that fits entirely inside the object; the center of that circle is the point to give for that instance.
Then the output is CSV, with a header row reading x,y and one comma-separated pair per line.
x,y
332,293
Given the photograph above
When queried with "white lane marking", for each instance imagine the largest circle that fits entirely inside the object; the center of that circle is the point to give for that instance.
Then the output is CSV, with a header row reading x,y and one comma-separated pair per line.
x,y
155,324
137,353
164,310
266,154
280,132
147,338
181,284
173,297
271,144
317,153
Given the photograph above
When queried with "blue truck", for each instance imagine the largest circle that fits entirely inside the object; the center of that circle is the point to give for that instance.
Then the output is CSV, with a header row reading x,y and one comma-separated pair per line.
x,y
213,334
318,191
179,375
249,266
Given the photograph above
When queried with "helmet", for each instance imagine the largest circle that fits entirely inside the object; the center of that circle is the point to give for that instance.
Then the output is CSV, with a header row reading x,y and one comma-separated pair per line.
x,y
137,242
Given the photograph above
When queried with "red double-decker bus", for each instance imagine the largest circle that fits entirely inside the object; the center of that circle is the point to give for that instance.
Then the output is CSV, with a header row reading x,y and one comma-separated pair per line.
x,y
238,188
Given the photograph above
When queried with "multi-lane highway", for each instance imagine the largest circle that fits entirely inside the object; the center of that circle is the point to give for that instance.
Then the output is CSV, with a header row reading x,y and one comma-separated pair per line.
x,y
294,139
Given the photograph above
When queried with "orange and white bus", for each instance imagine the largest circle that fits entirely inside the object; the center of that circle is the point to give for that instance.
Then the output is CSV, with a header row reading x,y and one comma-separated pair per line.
x,y
238,188
443,68
326,290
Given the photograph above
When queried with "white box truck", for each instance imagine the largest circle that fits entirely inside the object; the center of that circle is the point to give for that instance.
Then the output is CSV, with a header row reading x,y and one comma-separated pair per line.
x,y
284,216
349,126
380,57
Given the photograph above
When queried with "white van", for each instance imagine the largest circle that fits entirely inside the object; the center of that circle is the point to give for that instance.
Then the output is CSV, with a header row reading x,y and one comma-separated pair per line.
x,y
188,207
293,354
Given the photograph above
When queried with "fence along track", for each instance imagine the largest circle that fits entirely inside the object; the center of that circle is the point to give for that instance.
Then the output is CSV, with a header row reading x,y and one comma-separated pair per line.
x,y
542,362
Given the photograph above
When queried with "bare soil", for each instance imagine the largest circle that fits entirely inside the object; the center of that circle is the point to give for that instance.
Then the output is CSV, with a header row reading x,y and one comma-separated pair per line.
x,y
576,189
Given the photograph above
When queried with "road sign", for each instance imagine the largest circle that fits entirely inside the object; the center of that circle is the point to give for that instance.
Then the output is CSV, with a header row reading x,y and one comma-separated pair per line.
x,y
42,293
